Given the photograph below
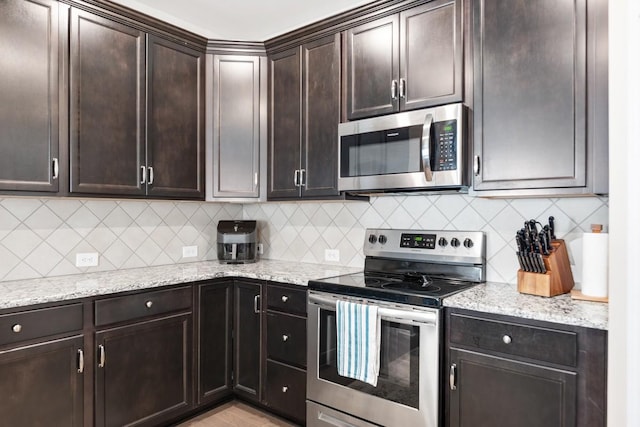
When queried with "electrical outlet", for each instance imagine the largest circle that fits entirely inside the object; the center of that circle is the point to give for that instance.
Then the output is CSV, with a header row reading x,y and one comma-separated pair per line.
x,y
260,249
189,251
88,259
332,255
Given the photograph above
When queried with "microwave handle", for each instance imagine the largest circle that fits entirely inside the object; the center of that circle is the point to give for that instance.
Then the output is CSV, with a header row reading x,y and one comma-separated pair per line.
x,y
425,147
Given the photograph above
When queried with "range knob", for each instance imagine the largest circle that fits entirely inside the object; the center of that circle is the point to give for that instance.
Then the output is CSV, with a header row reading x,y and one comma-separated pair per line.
x,y
455,242
382,239
443,242
373,238
468,243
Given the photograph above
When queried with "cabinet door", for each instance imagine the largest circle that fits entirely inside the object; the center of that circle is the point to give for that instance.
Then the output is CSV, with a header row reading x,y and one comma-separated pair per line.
x,y
215,323
236,126
492,391
285,124
175,120
29,95
372,68
247,369
529,94
431,54
143,373
107,106
41,384
321,116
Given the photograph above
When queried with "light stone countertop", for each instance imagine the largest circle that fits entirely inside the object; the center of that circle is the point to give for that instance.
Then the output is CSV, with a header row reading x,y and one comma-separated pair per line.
x,y
61,288
497,298
504,298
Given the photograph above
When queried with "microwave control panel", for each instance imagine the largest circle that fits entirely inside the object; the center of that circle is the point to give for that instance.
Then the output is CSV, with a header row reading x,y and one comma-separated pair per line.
x,y
445,157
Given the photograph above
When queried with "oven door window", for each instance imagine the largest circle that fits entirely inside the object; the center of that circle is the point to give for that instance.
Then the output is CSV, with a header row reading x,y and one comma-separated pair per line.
x,y
381,153
399,361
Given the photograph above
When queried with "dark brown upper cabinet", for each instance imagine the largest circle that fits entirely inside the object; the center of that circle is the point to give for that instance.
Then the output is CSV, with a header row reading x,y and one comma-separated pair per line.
x,y
540,97
303,126
29,94
409,60
175,120
136,112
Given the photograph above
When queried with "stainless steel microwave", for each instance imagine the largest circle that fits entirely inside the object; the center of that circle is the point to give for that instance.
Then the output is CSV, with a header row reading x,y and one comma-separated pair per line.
x,y
410,151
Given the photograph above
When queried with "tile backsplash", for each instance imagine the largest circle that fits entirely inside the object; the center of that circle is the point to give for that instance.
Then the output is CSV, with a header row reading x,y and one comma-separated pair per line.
x,y
302,231
40,237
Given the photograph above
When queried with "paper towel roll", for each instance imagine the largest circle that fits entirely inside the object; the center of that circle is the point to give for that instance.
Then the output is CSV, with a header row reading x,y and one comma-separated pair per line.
x,y
595,264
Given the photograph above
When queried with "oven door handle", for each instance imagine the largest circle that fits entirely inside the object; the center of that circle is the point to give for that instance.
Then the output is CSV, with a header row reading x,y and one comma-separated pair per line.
x,y
425,147
387,313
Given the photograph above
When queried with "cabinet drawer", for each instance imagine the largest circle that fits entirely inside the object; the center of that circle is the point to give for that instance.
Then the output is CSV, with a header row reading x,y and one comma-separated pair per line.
x,y
287,299
286,389
542,344
130,307
287,339
41,323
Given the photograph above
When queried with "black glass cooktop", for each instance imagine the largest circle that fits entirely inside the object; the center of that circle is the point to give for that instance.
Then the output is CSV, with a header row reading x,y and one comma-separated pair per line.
x,y
409,288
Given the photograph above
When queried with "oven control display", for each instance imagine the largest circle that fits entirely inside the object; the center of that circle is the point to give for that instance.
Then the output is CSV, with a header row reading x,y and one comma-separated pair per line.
x,y
422,241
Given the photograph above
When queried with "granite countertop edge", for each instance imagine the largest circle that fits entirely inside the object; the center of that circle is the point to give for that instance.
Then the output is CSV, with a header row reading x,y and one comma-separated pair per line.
x,y
490,297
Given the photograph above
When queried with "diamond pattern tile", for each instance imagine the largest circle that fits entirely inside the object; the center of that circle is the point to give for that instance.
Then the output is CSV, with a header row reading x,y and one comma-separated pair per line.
x,y
40,237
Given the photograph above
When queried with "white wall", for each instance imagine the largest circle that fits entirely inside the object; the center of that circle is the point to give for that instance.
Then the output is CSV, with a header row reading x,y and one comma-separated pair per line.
x,y
624,147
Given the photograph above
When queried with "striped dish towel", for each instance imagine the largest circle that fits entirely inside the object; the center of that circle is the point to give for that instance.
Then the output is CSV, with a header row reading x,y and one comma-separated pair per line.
x,y
358,335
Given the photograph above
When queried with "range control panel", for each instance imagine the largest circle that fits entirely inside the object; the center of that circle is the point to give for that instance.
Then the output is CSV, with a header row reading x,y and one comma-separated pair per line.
x,y
425,244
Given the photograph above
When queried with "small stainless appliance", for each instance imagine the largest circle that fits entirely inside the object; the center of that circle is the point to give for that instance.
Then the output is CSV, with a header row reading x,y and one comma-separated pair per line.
x,y
421,150
237,242
407,274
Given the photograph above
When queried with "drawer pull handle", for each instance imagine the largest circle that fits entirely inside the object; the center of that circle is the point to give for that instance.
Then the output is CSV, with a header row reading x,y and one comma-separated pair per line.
x,y
284,298
16,328
285,389
452,376
256,304
148,304
285,337
506,339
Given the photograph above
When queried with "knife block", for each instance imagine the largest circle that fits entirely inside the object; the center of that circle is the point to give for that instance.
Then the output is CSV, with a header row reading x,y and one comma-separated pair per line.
x,y
556,281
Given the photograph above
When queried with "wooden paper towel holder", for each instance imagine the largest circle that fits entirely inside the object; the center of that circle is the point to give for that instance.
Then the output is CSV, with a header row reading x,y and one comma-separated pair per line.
x,y
556,281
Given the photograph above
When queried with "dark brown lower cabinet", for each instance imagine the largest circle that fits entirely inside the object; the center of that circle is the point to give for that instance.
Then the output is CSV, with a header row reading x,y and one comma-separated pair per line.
x,y
493,391
215,325
508,371
247,342
40,385
143,373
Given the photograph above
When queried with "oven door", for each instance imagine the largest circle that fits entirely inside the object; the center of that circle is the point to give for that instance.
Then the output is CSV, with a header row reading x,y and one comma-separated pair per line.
x,y
407,391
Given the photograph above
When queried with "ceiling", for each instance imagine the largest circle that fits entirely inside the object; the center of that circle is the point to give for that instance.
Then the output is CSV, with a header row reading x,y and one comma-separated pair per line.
x,y
244,20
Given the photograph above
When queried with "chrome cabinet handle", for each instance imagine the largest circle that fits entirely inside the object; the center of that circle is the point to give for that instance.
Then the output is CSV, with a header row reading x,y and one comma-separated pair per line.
x,y
102,356
296,177
149,304
80,361
403,88
452,377
285,337
256,304
150,175
285,389
284,298
56,168
255,179
506,339
476,165
394,89
425,147
143,180
16,328
303,178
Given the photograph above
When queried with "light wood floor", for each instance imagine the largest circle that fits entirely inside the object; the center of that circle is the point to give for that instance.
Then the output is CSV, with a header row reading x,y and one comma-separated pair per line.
x,y
236,414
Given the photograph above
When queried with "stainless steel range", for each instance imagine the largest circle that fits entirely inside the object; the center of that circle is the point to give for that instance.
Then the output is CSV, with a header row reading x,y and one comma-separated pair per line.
x,y
406,276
